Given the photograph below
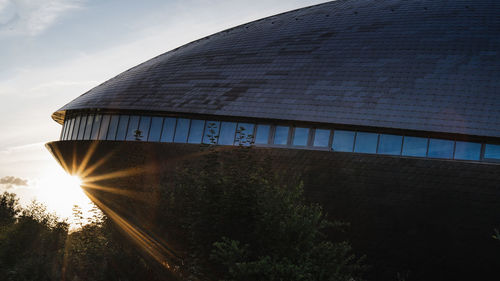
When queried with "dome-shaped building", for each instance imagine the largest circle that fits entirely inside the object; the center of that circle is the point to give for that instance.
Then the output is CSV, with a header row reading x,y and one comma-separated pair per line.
x,y
398,101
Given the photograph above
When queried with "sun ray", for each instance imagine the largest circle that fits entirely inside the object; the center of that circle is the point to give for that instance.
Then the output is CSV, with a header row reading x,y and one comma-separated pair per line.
x,y
127,193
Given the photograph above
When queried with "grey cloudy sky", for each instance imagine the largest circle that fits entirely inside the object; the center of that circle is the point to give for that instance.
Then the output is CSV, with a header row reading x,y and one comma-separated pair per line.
x,y
52,51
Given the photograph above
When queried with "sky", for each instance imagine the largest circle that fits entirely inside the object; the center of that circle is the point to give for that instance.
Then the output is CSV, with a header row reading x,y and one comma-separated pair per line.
x,y
52,51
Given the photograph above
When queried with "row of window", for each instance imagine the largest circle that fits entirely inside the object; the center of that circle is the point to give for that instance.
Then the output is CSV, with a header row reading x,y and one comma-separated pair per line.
x,y
184,130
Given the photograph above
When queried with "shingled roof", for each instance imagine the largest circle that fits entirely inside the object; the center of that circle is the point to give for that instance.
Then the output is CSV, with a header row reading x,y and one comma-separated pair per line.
x,y
419,64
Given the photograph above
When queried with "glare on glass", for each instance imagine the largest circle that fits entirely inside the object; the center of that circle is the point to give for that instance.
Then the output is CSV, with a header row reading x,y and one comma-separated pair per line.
x,y
300,136
196,131
133,126
70,128
366,142
75,128
440,148
167,135
244,134
81,131
262,135
122,127
467,150
227,133
144,124
492,151
414,146
390,144
155,130
211,132
88,127
104,127
281,135
321,137
113,127
181,130
96,126
343,141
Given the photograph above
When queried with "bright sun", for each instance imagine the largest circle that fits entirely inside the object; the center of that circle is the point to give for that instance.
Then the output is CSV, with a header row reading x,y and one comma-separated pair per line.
x,y
60,191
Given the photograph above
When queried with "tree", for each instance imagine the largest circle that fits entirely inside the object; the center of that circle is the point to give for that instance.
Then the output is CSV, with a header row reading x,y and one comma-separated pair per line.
x,y
243,222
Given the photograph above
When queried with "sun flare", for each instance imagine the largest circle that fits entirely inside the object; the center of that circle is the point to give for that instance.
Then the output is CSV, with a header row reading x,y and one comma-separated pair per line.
x,y
60,191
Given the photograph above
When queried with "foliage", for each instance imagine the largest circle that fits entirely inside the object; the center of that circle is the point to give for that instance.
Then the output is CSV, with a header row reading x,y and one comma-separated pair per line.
x,y
244,223
31,245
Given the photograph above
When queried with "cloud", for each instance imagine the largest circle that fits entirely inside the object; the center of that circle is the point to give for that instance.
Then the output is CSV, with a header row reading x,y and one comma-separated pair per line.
x,y
31,17
10,181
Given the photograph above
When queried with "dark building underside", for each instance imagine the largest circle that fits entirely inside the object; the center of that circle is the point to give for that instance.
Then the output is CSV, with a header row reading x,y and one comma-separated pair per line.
x,y
426,218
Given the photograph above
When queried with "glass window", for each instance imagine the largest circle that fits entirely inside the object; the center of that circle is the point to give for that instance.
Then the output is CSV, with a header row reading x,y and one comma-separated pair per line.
x,y
227,133
70,129
181,130
133,127
211,132
121,133
321,137
74,135
300,136
88,127
144,128
196,131
366,142
441,148
244,134
390,144
167,134
281,135
343,141
491,151
467,150
81,131
63,131
104,127
262,135
96,126
155,130
113,127
415,146
67,122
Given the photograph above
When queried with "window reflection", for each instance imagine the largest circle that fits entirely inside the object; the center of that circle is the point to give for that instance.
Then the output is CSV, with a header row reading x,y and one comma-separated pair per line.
x,y
244,134
211,132
414,146
440,149
122,127
81,131
467,150
300,136
262,135
321,137
366,142
88,127
181,130
155,130
281,135
167,134
70,126
104,127
227,133
95,127
169,129
75,128
113,127
133,127
343,141
144,128
390,144
196,131
492,151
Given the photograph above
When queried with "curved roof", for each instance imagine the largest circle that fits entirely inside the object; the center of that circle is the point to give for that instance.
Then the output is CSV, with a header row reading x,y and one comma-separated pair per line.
x,y
419,64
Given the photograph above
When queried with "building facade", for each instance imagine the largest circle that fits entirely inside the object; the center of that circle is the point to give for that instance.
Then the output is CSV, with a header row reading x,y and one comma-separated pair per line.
x,y
389,109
